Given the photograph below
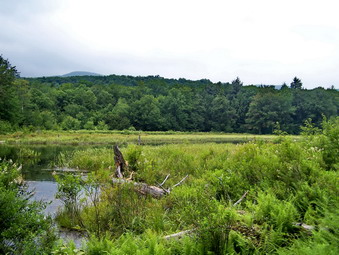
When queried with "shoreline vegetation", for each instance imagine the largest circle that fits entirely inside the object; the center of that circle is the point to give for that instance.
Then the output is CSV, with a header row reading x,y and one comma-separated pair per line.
x,y
251,198
86,137
263,194
260,197
154,103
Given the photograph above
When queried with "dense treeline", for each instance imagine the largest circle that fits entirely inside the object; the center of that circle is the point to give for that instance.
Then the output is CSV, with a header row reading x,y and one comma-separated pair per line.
x,y
155,103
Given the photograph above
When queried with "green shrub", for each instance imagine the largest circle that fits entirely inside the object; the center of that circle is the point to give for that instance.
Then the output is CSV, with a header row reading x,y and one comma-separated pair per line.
x,y
69,191
323,241
280,215
23,229
6,127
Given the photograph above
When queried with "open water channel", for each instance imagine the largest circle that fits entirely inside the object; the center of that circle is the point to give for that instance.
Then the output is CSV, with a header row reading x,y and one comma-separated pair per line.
x,y
37,172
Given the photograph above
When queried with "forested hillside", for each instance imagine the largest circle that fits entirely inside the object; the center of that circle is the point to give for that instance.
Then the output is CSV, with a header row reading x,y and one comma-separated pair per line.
x,y
155,103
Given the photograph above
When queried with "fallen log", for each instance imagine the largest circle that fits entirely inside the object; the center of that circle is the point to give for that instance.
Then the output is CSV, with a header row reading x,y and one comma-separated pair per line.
x,y
146,189
142,188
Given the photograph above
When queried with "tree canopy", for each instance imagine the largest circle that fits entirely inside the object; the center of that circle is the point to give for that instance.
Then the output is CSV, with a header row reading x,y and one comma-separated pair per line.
x,y
155,103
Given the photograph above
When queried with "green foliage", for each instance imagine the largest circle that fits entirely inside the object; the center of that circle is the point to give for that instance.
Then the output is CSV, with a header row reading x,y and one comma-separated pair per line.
x,y
69,248
90,159
133,157
5,127
9,100
277,214
266,109
296,83
237,199
309,129
153,104
329,143
323,241
102,125
69,191
23,229
149,243
215,228
89,125
326,141
26,153
287,182
70,123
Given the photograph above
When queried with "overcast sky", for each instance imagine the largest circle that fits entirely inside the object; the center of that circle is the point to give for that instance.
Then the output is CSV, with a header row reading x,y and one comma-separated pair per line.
x,y
261,41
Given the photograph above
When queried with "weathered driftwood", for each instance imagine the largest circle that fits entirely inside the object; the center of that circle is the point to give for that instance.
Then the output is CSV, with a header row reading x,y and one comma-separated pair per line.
x,y
142,188
120,163
180,234
161,185
304,226
146,189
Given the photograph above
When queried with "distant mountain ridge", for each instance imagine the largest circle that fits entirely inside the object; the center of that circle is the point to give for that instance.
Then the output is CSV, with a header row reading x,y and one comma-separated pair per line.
x,y
80,73
278,87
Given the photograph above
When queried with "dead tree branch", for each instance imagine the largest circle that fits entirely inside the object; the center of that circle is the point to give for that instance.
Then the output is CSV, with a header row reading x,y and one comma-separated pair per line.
x,y
164,180
121,166
180,234
242,197
142,188
179,183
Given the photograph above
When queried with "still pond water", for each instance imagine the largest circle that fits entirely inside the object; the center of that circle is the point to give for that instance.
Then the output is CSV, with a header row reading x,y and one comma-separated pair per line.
x,y
37,171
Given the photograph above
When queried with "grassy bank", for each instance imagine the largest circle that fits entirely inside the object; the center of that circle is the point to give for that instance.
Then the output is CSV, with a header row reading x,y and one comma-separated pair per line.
x,y
113,137
288,183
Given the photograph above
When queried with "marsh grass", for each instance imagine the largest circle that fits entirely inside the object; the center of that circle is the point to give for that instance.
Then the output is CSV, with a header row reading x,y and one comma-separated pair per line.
x,y
26,153
83,137
287,182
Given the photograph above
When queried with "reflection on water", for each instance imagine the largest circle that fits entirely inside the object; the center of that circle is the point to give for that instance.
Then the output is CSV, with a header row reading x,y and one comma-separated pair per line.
x,y
37,162
45,191
35,168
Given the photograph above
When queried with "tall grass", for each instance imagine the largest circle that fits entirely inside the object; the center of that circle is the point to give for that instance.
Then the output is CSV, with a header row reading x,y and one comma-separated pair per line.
x,y
287,183
127,137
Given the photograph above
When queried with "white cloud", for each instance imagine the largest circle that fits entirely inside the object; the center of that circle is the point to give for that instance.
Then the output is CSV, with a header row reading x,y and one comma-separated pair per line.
x,y
261,41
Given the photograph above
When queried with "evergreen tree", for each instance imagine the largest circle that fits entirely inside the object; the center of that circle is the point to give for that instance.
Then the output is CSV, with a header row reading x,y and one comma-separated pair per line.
x,y
296,83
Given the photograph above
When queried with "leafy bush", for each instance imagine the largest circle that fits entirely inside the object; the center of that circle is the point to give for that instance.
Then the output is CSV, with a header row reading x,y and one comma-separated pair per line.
x,y
23,229
70,123
5,127
69,191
